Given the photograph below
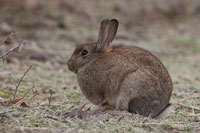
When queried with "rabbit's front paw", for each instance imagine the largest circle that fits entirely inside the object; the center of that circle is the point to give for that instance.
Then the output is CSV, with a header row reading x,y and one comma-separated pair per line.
x,y
106,107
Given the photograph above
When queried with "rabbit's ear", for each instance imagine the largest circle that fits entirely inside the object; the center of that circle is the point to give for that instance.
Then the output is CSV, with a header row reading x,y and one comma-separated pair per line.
x,y
113,30
107,33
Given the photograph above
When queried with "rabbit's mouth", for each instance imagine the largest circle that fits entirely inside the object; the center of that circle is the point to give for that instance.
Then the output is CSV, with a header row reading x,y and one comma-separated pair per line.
x,y
71,66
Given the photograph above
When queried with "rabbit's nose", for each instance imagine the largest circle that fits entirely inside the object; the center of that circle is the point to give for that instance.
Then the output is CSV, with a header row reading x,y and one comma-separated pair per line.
x,y
69,63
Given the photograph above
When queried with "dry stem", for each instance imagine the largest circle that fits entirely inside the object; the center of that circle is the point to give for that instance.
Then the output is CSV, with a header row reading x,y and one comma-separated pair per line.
x,y
12,49
81,107
186,106
10,35
35,94
51,93
56,119
28,91
21,81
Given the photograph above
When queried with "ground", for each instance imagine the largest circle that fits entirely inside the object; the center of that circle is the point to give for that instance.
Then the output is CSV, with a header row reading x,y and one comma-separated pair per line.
x,y
60,106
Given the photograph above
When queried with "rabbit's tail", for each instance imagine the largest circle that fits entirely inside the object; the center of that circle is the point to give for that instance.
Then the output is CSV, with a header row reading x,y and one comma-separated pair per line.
x,y
166,112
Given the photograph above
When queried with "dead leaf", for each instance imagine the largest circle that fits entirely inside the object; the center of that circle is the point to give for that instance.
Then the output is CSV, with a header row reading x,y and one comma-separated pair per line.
x,y
11,60
19,102
25,104
22,103
13,101
8,41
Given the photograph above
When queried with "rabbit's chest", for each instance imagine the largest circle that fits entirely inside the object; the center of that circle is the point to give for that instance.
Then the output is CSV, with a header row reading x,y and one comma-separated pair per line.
x,y
92,87
100,81
93,80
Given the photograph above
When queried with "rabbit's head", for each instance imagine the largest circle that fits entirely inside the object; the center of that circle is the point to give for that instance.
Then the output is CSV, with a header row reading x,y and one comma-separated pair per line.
x,y
88,52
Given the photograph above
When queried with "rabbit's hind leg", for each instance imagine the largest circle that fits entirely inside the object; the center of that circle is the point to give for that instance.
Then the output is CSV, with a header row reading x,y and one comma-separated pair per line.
x,y
137,94
129,88
142,106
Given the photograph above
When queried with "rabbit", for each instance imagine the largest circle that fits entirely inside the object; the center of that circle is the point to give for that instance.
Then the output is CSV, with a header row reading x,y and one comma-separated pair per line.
x,y
123,77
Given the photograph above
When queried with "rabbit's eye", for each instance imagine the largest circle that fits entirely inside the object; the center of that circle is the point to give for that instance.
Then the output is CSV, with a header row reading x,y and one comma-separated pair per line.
x,y
84,52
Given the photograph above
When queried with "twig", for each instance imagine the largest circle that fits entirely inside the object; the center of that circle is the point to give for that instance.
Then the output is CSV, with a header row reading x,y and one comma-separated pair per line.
x,y
35,94
157,123
16,89
77,112
54,118
14,48
55,105
32,97
28,91
192,114
186,106
81,107
11,34
51,93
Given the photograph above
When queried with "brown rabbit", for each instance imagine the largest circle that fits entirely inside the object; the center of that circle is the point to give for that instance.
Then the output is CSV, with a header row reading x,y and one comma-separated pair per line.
x,y
125,77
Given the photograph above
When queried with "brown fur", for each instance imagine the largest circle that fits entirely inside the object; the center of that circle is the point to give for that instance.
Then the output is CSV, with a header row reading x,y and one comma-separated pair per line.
x,y
106,50
126,77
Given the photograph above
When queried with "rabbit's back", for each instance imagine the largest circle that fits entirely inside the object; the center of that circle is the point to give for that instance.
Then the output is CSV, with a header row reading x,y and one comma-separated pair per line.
x,y
137,57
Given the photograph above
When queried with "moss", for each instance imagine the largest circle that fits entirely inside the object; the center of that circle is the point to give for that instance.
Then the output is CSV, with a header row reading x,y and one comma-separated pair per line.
x,y
3,94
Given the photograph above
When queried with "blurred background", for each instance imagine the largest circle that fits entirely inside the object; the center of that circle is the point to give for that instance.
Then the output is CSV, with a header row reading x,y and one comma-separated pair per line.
x,y
170,29
57,24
